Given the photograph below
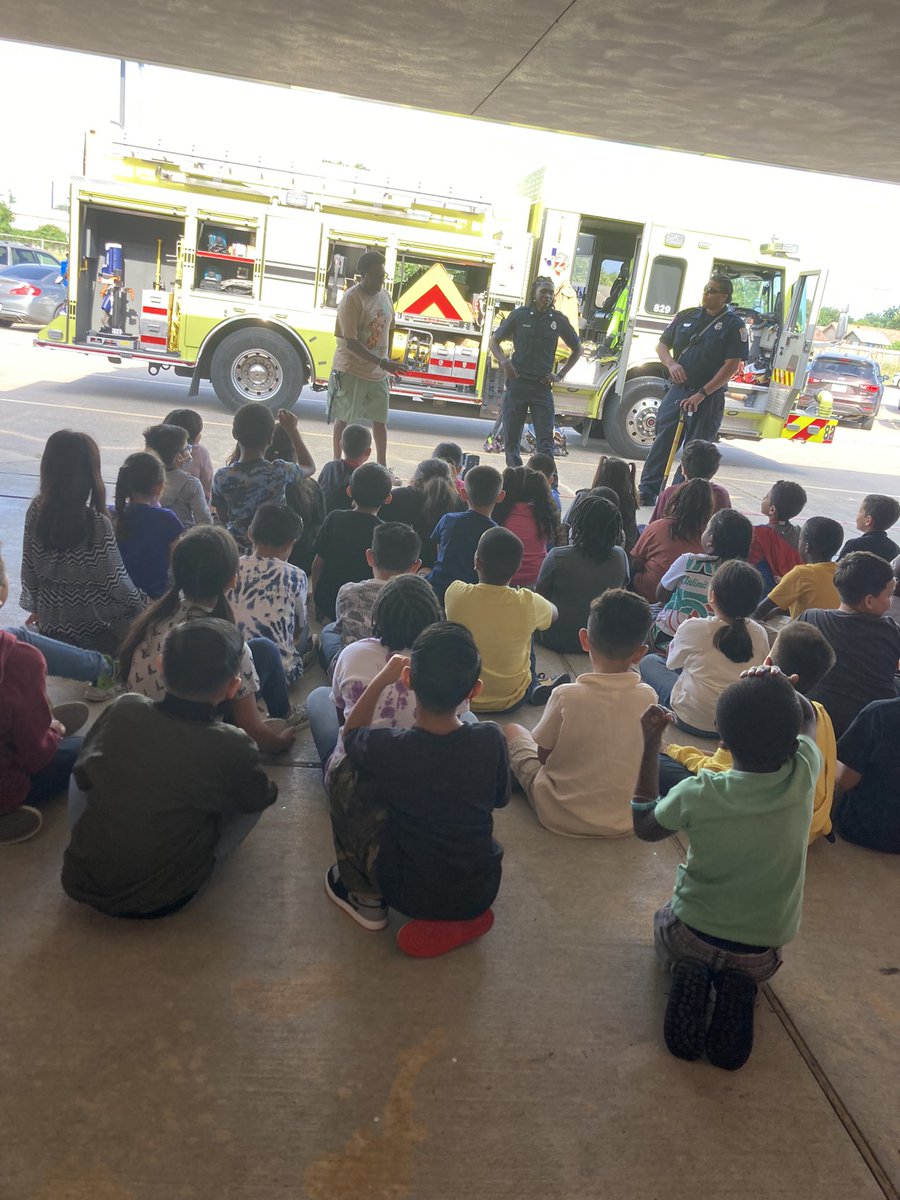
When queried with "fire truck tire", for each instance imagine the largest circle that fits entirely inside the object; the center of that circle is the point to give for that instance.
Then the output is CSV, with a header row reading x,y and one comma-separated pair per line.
x,y
629,422
256,366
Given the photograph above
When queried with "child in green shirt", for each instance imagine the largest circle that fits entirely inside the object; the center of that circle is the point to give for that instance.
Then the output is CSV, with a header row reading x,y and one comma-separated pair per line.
x,y
738,896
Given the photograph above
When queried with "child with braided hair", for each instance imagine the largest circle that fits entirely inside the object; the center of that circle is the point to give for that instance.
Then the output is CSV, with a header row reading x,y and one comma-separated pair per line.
x,y
572,576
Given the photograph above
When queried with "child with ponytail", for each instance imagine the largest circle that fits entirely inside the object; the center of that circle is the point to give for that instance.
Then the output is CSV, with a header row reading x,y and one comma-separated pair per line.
x,y
708,654
145,532
204,566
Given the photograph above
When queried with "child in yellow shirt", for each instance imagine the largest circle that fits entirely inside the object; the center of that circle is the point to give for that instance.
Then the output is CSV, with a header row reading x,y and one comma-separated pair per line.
x,y
811,584
801,653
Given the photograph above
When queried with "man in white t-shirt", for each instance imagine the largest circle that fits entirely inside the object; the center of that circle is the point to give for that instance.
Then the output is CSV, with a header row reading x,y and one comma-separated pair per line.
x,y
358,389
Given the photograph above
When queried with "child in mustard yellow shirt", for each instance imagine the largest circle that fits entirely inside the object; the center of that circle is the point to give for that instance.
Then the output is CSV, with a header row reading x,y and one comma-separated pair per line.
x,y
802,654
503,621
811,584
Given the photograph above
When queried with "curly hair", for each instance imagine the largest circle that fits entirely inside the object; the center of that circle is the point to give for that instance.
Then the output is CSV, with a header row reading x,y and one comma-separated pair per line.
x,y
404,607
689,510
434,482
523,486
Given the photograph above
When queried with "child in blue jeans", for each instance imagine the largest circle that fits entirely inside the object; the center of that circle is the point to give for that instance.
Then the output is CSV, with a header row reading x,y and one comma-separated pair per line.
x,y
738,897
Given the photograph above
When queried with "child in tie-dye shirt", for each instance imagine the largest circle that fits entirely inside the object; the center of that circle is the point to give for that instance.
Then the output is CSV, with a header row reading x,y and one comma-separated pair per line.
x,y
269,598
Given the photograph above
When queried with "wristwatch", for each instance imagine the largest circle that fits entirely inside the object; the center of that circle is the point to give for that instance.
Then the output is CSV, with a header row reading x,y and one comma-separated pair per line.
x,y
703,391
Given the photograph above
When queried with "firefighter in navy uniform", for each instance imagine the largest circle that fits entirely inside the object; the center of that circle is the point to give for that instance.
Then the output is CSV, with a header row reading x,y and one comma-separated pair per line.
x,y
702,348
535,329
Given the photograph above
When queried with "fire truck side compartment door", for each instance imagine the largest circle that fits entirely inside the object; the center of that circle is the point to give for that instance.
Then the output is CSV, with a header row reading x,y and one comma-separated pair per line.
x,y
512,267
290,260
795,344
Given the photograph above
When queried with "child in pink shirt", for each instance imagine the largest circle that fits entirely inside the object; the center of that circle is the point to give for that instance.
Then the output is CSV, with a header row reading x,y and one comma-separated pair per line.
x,y
528,511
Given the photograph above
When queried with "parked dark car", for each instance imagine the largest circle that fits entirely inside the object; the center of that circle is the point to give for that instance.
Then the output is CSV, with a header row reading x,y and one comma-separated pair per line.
x,y
30,295
855,384
13,255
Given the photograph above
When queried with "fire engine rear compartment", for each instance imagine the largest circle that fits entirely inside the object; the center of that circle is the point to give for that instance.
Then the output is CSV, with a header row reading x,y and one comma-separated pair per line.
x,y
143,238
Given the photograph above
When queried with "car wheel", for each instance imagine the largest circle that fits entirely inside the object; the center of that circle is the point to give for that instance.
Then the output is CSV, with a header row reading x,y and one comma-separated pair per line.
x,y
5,324
868,423
60,311
629,422
256,366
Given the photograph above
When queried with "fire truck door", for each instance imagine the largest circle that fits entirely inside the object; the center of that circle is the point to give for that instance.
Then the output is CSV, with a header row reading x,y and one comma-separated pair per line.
x,y
793,351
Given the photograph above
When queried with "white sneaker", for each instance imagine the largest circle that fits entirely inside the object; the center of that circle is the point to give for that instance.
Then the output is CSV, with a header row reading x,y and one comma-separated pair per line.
x,y
370,916
19,825
297,719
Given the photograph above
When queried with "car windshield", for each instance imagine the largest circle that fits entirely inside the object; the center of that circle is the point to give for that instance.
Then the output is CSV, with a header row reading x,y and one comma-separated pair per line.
x,y
842,368
33,271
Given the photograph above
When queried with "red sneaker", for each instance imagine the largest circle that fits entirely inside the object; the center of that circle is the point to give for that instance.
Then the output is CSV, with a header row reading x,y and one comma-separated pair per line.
x,y
429,939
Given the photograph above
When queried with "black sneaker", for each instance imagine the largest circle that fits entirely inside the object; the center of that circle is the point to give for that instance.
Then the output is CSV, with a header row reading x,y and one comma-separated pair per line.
x,y
646,500
371,916
542,692
684,1025
729,1039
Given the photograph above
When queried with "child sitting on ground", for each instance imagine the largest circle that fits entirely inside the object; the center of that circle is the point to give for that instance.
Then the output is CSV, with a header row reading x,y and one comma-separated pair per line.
x,y
868,772
429,496
679,532
413,830
576,783
204,568
503,621
699,460
182,493
775,547
709,653
394,551
457,534
345,537
37,749
811,584
545,464
572,576
251,480
200,465
865,640
305,497
452,455
269,598
738,897
164,790
404,607
529,512
876,515
684,589
619,475
804,657
144,531
334,478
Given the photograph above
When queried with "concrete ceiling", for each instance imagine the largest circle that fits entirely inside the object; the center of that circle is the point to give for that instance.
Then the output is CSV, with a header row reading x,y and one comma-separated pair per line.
x,y
799,83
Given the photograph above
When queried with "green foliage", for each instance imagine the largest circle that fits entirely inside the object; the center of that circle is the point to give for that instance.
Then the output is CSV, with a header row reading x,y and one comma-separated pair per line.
x,y
50,233
6,216
829,316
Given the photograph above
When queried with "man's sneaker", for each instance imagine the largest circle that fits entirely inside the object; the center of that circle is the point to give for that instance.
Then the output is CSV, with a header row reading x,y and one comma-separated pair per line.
x,y
297,719
108,685
543,691
311,653
429,939
72,716
684,1025
647,500
19,825
371,915
729,1039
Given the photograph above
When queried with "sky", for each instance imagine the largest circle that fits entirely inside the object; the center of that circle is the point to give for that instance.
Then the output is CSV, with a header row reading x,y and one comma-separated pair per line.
x,y
848,226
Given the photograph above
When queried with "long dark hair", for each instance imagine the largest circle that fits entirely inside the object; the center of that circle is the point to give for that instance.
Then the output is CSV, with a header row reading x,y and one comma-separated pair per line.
x,y
736,589
523,486
619,475
71,490
204,562
596,527
433,481
689,510
139,475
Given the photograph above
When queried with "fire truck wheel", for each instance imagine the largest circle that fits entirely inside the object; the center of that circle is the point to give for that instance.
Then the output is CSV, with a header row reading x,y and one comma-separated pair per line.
x,y
256,366
629,422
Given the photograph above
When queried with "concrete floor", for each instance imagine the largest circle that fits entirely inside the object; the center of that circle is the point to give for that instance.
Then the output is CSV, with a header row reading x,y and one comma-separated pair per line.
x,y
260,1046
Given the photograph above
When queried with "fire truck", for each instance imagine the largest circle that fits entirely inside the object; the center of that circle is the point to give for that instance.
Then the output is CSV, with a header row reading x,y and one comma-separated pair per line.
x,y
232,272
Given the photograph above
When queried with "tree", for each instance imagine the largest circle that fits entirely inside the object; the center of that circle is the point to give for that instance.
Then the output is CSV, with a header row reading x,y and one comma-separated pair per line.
x,y
6,214
829,316
50,233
